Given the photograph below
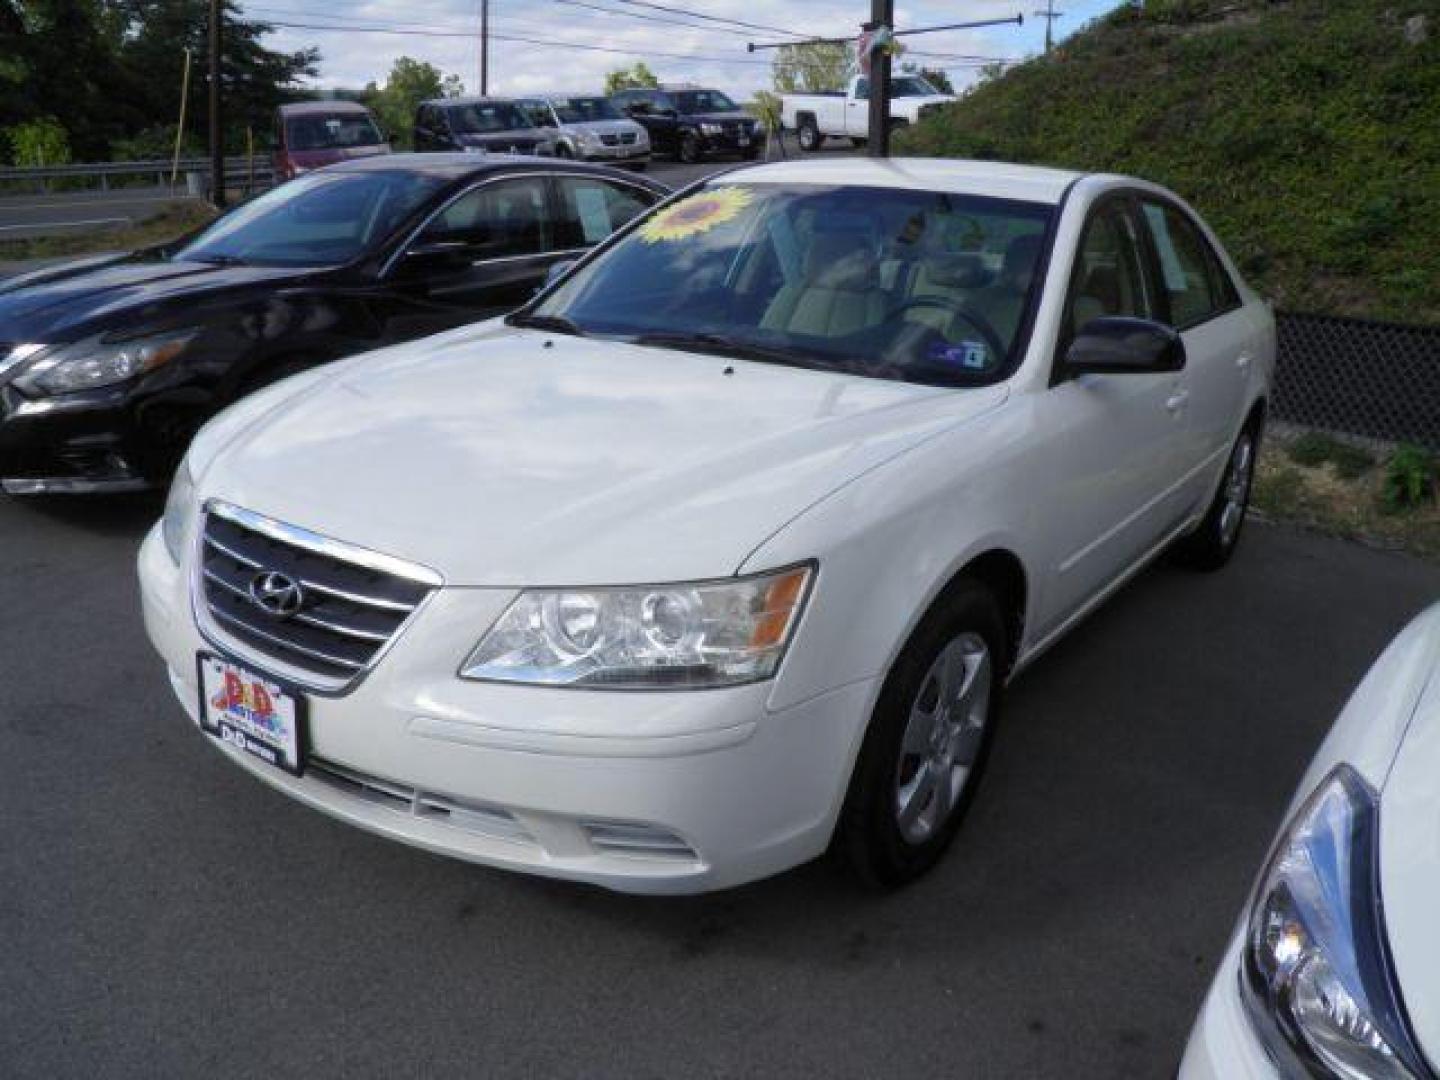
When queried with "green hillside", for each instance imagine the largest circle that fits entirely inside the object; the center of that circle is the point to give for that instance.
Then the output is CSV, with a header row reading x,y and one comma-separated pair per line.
x,y
1306,131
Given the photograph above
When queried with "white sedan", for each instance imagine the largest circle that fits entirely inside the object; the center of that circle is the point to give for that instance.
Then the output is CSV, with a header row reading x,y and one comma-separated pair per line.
x,y
722,551
1334,970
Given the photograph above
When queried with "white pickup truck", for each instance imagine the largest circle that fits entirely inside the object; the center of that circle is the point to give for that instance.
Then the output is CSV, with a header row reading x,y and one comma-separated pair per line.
x,y
846,114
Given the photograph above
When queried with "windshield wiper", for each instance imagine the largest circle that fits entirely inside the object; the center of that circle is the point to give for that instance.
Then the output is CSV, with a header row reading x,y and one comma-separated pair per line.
x,y
558,323
722,345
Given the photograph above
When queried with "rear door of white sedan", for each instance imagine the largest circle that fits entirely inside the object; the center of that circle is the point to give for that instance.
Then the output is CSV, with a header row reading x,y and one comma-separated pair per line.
x,y
1200,301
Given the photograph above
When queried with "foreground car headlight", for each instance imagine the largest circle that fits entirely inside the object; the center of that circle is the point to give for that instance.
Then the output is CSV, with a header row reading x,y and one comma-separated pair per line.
x,y
649,637
179,511
1317,972
95,362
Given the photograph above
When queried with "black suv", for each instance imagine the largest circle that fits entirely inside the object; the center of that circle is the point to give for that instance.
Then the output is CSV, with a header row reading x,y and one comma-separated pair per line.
x,y
497,125
691,123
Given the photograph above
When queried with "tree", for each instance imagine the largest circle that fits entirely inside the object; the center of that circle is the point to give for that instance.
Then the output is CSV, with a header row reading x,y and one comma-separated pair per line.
x,y
410,83
812,67
638,77
934,76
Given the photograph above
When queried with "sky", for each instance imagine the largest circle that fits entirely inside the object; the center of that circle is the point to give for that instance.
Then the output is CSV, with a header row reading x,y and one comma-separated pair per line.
x,y
446,33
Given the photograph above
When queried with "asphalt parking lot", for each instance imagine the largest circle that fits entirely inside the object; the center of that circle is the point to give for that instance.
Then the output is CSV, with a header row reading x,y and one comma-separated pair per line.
x,y
163,915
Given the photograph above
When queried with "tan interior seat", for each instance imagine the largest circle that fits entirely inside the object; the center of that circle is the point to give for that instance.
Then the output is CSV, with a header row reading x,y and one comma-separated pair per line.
x,y
839,292
1002,302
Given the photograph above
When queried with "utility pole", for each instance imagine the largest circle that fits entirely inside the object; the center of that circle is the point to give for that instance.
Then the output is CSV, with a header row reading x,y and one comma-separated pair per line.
x,y
217,136
882,17
1049,15
484,47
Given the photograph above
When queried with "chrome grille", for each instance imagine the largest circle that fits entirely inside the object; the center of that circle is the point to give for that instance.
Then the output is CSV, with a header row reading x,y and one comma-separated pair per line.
x,y
349,605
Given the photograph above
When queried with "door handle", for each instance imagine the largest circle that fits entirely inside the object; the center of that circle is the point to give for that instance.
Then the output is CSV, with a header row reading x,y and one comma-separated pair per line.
x,y
1176,401
1243,361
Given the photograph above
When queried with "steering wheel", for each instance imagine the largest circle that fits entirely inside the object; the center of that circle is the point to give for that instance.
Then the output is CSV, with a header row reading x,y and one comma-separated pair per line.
x,y
957,308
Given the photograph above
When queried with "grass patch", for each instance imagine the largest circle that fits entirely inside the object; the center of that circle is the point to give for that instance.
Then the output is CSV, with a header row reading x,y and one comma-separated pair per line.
x,y
1298,480
171,223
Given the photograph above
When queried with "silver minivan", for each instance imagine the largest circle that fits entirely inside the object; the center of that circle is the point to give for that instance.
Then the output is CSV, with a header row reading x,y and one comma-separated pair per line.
x,y
588,127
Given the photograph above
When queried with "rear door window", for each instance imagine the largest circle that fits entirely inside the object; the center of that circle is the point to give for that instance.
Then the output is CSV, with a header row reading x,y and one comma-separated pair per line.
x,y
592,208
1192,279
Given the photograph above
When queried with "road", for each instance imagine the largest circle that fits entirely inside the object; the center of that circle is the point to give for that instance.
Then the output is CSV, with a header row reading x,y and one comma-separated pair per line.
x,y
164,915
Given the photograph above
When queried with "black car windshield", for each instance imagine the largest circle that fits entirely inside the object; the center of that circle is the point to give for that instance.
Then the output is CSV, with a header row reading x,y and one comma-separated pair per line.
x,y
582,110
912,86
323,219
331,132
487,117
702,101
918,286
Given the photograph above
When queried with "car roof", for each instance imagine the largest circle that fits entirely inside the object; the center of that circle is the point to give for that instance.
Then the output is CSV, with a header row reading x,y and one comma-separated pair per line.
x,y
454,166
491,100
1028,183
324,108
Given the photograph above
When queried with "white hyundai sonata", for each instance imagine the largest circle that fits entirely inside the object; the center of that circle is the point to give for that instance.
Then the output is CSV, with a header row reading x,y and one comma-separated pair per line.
x,y
1334,970
725,546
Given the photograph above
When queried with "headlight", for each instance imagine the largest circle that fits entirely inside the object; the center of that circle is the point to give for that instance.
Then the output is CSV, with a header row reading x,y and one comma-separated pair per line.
x,y
650,637
586,138
179,511
1317,970
86,365
712,129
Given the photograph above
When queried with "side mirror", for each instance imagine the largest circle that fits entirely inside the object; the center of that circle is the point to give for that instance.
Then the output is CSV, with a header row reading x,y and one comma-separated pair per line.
x,y
437,255
558,270
1117,345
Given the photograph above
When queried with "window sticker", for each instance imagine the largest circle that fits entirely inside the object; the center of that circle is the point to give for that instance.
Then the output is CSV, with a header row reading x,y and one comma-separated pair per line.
x,y
1175,279
695,215
594,214
970,355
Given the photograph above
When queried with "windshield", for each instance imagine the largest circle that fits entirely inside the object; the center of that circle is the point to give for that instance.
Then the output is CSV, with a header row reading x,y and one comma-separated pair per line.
x,y
331,132
912,86
323,219
914,286
584,110
487,117
703,101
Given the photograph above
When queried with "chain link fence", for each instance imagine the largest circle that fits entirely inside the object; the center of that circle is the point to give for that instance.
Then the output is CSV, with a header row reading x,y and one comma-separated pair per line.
x,y
1379,380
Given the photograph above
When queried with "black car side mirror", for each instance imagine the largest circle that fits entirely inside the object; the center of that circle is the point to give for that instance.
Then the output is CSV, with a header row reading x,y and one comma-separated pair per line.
x,y
1118,345
437,255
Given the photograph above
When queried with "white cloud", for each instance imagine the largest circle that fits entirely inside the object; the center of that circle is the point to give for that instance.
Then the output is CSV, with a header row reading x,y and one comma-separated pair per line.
x,y
351,57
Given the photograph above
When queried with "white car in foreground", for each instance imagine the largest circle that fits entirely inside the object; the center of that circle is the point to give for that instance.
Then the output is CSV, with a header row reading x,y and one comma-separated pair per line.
x,y
726,546
1334,970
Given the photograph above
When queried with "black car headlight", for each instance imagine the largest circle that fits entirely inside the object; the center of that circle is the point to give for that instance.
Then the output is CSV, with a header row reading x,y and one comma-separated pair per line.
x,y
1317,973
96,362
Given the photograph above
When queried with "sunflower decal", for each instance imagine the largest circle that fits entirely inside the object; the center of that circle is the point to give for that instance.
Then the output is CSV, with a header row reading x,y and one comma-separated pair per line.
x,y
697,214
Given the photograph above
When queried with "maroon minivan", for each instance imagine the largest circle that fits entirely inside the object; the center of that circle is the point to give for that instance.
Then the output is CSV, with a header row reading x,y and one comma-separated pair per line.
x,y
310,134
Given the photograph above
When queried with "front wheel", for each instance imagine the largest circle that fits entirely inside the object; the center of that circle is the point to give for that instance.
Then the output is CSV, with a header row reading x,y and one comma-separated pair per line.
x,y
690,148
1212,544
562,150
927,742
810,137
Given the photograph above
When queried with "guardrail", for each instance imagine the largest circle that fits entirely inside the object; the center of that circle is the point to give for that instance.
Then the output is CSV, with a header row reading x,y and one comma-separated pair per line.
x,y
192,177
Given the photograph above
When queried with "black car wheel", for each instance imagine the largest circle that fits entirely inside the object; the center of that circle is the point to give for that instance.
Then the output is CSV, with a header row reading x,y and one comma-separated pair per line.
x,y
928,740
562,150
690,148
810,137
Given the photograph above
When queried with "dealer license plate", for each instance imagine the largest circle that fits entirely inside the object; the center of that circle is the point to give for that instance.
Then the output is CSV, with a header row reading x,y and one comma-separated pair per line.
x,y
252,713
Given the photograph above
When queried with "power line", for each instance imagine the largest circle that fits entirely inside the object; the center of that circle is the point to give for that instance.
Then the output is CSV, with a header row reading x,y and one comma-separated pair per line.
x,y
653,18
714,18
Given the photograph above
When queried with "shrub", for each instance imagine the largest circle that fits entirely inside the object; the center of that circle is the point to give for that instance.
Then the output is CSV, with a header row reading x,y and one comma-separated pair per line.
x,y
1410,480
1315,448
38,143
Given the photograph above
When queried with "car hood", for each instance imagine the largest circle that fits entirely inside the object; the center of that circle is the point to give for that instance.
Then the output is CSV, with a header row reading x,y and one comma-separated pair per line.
x,y
606,127
504,458
721,117
59,302
504,139
1410,830
314,159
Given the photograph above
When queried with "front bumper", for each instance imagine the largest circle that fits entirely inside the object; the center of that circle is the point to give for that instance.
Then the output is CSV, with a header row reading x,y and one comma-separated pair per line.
x,y
76,443
618,155
647,792
1223,1044
730,143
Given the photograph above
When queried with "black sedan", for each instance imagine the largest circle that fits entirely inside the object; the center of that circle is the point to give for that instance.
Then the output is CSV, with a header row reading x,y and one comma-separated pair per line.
x,y
108,365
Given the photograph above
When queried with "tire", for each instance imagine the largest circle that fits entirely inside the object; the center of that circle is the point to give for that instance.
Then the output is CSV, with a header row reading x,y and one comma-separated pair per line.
x,y
894,826
859,144
750,153
563,151
809,136
690,149
1214,541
